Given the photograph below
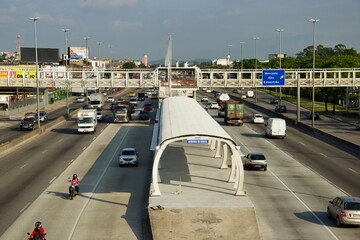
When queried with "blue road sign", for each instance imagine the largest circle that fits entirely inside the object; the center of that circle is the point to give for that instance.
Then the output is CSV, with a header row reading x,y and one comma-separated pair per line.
x,y
273,77
197,141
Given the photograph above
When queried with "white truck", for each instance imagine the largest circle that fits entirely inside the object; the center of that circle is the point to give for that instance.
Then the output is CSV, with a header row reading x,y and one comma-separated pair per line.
x,y
97,101
87,120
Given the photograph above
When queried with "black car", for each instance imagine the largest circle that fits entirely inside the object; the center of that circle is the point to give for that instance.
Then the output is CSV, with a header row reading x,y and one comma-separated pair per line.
x,y
27,124
144,115
316,116
280,109
274,101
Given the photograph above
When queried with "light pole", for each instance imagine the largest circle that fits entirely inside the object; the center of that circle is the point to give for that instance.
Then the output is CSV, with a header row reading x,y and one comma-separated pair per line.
x,y
279,30
35,19
241,56
255,39
229,56
66,30
110,62
313,21
86,47
99,43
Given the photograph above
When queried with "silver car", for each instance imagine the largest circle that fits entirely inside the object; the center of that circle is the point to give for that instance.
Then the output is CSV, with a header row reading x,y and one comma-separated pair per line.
x,y
128,156
255,160
345,210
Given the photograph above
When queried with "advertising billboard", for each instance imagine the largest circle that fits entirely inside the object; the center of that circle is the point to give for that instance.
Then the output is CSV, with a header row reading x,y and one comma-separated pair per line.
x,y
20,71
45,55
78,53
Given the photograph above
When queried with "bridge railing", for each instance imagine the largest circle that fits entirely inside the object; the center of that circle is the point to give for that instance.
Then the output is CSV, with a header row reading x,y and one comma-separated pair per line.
x,y
181,77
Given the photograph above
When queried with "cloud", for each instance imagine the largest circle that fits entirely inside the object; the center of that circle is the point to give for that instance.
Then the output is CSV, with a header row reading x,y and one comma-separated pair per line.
x,y
124,25
107,3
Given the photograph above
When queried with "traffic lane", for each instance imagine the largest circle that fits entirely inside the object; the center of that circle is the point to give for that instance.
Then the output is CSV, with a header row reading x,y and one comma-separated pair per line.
x,y
10,129
338,165
290,199
112,200
28,169
126,192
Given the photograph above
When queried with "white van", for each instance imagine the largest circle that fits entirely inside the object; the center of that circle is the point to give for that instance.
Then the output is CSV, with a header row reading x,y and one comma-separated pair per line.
x,y
250,94
275,127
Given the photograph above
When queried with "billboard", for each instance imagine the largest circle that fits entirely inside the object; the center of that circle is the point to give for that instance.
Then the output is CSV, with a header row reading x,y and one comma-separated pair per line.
x,y
78,53
20,71
45,55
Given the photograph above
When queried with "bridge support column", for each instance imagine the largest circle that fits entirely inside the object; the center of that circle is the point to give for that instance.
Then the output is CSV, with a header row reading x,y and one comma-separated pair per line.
x,y
218,149
225,156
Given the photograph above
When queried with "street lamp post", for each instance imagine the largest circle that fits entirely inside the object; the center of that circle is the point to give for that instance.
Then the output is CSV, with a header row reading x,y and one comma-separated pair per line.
x,y
86,47
110,62
99,43
279,30
65,30
35,19
255,39
229,56
313,21
241,55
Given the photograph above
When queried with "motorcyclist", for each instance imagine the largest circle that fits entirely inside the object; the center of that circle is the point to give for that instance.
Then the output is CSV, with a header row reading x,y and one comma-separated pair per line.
x,y
74,182
38,232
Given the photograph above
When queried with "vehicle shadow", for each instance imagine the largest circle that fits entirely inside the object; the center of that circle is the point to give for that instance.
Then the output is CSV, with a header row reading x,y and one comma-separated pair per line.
x,y
320,217
65,130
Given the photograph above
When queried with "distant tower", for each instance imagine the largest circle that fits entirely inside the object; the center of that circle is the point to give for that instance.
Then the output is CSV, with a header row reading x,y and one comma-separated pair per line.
x,y
144,60
18,48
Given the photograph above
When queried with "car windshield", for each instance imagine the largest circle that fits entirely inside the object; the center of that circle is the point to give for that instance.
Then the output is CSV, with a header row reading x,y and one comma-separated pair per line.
x,y
352,206
128,152
257,157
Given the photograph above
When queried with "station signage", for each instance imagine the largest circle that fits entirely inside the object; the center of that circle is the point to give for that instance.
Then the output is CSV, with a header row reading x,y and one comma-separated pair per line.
x,y
197,140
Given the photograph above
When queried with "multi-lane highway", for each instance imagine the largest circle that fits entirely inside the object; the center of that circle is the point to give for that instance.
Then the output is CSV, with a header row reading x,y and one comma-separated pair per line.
x,y
290,198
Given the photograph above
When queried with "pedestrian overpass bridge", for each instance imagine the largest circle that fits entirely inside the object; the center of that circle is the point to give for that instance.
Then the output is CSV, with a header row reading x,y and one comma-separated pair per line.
x,y
175,77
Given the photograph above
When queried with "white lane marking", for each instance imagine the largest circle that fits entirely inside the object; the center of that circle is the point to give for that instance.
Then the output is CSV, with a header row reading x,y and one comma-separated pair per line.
x,y
26,206
94,138
353,170
71,161
323,155
60,140
44,151
53,179
302,143
84,148
95,187
23,165
306,206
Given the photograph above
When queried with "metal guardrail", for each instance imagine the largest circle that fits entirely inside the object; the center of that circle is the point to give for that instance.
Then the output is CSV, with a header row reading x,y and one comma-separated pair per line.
x,y
191,77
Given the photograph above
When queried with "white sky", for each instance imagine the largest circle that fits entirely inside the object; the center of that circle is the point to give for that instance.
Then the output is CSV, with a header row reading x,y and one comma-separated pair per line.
x,y
201,28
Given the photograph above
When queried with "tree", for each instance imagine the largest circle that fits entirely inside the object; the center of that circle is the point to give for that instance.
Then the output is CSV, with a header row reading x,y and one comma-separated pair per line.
x,y
129,65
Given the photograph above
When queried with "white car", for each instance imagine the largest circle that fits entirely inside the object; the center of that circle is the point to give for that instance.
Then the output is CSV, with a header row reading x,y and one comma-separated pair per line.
x,y
99,116
128,156
81,99
204,99
257,118
208,90
110,99
214,105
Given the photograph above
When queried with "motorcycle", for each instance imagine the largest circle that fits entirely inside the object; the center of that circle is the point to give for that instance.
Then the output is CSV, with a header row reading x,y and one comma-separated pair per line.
x,y
73,192
36,238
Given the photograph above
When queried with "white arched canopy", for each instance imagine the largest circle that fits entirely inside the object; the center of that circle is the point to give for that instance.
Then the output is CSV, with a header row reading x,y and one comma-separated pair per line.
x,y
182,118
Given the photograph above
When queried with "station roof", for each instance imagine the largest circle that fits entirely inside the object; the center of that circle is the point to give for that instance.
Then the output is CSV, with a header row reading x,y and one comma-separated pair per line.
x,y
183,116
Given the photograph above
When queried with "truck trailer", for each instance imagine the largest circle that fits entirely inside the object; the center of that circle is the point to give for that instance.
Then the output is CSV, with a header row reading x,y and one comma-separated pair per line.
x,y
87,120
234,113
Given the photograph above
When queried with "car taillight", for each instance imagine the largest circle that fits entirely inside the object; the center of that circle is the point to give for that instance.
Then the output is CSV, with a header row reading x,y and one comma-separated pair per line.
x,y
342,214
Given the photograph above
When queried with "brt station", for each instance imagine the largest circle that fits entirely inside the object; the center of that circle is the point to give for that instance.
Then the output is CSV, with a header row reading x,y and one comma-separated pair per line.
x,y
182,119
